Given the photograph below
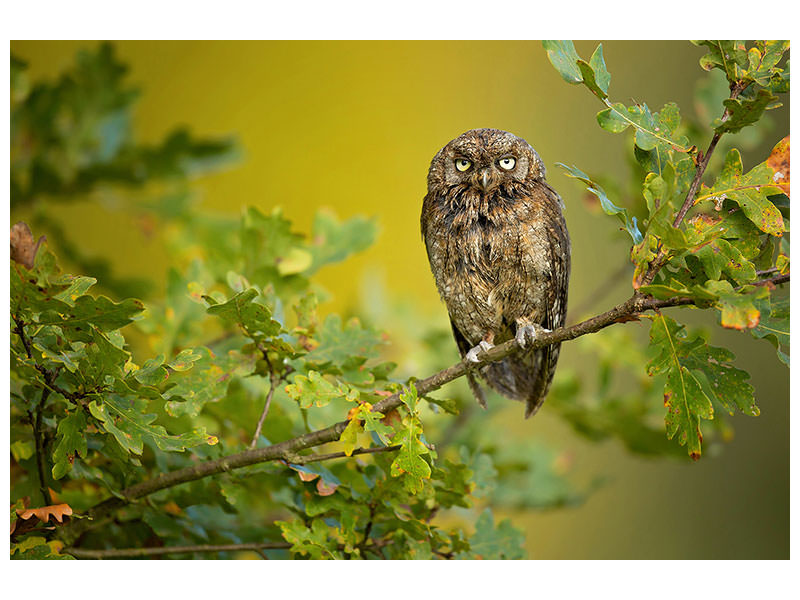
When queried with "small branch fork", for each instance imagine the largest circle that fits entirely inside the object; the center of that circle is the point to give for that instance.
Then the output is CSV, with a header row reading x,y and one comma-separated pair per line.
x,y
288,451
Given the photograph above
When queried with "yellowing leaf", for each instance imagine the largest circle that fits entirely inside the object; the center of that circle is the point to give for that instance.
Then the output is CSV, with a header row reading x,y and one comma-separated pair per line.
x,y
778,161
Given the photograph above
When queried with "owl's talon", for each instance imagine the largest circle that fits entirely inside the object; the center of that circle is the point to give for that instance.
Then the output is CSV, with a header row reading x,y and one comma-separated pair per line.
x,y
483,346
527,334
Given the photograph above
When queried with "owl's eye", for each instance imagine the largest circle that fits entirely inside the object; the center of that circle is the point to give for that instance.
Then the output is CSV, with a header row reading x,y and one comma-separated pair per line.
x,y
507,163
462,164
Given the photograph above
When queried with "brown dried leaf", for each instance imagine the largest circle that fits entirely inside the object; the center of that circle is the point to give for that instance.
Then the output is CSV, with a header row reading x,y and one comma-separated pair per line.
x,y
323,489
392,418
307,476
778,161
23,248
626,318
172,508
59,511
304,475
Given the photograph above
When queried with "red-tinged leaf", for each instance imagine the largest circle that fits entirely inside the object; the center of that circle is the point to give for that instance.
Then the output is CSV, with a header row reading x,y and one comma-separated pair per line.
x,y
778,161
323,489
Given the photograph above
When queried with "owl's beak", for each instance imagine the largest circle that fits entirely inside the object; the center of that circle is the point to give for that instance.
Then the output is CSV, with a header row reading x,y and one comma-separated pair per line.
x,y
486,180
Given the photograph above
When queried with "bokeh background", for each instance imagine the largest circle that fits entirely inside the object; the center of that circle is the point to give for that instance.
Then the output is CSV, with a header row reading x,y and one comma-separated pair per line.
x,y
352,126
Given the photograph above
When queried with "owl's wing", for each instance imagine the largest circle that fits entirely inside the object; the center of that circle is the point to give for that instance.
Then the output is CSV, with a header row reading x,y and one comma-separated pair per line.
x,y
555,312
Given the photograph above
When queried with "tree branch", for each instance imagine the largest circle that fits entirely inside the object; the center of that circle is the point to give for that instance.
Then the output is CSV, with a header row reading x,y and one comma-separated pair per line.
x,y
288,450
35,415
135,552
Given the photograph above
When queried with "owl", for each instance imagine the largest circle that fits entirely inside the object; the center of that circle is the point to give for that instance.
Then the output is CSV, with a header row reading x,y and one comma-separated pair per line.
x,y
499,250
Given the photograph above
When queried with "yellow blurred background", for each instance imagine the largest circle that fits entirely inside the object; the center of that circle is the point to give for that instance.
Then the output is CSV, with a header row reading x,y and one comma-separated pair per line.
x,y
353,126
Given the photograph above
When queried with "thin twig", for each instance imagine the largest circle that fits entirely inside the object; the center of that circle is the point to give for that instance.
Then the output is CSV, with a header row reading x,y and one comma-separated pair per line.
x,y
288,450
777,280
134,552
273,383
310,458
36,416
20,329
40,450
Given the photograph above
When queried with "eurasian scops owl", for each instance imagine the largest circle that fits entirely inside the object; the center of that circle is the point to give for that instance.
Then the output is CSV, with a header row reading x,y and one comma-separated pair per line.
x,y
500,253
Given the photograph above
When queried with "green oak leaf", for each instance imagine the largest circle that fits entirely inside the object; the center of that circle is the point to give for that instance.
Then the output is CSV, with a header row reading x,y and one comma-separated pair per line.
x,y
186,359
38,548
484,473
103,313
728,55
573,69
125,419
206,381
70,440
312,541
696,374
373,422
774,325
22,450
254,318
654,131
408,461
152,372
720,256
741,112
100,358
448,405
333,241
78,286
339,343
314,389
564,58
452,484
763,59
750,191
267,240
492,543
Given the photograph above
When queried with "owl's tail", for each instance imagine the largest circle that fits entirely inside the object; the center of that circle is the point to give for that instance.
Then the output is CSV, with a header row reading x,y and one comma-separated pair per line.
x,y
524,377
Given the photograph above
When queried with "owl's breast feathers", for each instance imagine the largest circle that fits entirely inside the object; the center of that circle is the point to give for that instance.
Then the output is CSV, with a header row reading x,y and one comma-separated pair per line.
x,y
497,257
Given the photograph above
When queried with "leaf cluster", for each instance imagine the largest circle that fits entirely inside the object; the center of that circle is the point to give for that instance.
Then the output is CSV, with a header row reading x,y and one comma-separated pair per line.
x,y
711,238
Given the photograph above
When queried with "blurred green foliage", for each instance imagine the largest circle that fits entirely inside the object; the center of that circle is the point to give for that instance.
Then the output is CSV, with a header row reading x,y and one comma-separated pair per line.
x,y
237,331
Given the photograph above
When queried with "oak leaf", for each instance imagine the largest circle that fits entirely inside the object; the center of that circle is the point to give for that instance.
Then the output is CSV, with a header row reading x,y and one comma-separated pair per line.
x,y
23,248
778,161
43,513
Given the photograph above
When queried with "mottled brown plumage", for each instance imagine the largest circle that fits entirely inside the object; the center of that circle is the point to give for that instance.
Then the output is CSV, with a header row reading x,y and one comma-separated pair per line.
x,y
500,253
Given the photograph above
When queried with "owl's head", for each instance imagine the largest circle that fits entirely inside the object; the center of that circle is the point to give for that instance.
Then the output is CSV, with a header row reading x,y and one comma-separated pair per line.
x,y
485,159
